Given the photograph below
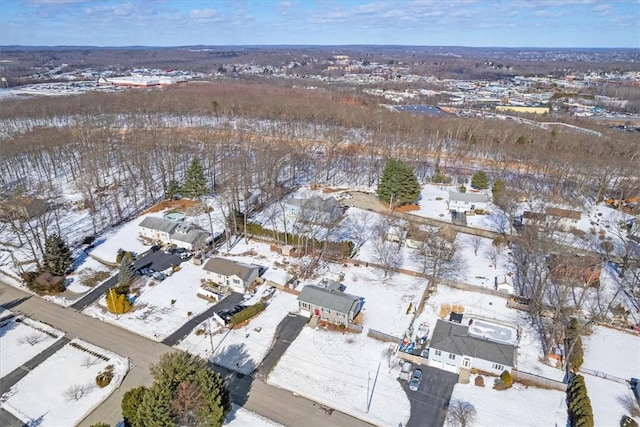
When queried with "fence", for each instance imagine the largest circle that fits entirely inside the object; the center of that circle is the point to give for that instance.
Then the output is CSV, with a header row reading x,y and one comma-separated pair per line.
x,y
604,375
538,380
381,336
352,327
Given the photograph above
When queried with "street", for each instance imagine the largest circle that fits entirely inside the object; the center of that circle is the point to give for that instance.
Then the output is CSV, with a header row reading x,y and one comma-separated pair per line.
x,y
269,401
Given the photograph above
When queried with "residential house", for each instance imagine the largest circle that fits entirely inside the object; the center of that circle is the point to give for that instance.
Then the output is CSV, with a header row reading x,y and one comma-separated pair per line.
x,y
182,234
563,219
316,209
453,349
236,275
329,303
467,202
504,283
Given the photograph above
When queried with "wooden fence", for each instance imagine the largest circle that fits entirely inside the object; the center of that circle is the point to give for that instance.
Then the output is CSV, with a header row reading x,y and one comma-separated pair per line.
x,y
381,336
517,375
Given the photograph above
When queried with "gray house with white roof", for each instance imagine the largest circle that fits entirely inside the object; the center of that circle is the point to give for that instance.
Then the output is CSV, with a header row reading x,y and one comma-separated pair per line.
x,y
182,234
316,209
327,302
236,275
453,349
466,202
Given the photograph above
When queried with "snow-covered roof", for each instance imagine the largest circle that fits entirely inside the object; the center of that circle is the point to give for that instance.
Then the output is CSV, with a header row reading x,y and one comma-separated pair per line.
x,y
454,338
328,298
228,268
159,224
468,197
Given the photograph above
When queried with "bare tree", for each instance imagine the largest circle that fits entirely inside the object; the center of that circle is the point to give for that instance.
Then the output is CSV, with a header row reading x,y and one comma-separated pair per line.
x,y
31,339
437,255
476,241
494,254
77,391
460,413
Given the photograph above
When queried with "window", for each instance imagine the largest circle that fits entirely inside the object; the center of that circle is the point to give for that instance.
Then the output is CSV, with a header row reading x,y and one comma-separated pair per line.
x,y
326,310
341,315
438,353
304,305
236,281
452,356
498,367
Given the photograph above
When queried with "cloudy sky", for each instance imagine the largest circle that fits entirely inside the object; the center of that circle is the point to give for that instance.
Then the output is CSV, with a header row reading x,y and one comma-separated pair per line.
x,y
509,23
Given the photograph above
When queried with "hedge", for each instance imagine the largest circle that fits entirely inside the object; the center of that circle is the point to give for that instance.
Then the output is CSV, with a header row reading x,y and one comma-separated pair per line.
x,y
247,313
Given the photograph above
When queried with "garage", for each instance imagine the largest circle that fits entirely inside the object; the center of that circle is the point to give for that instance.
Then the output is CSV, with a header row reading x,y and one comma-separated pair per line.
x,y
451,368
436,364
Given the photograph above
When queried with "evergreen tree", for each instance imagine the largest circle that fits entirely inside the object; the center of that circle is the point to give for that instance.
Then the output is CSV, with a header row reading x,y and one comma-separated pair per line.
x,y
117,301
155,408
574,343
195,184
57,256
126,272
579,404
172,189
398,185
185,392
131,401
498,188
479,181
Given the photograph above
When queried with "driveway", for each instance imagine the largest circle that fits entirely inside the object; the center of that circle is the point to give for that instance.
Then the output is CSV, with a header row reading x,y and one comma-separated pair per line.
x,y
428,403
287,331
158,260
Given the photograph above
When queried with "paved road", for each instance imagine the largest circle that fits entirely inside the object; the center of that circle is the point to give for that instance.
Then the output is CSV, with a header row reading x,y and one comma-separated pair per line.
x,y
287,331
255,395
157,260
227,303
429,402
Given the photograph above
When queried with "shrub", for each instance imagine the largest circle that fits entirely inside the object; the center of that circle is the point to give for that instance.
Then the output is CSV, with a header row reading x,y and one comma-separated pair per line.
x,y
479,381
506,379
462,189
248,313
100,425
104,378
409,307
627,421
479,211
117,303
439,178
43,283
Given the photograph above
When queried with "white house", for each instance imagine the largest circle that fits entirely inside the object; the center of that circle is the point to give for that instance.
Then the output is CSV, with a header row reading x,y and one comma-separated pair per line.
x,y
316,209
564,219
453,349
504,283
467,202
182,234
236,275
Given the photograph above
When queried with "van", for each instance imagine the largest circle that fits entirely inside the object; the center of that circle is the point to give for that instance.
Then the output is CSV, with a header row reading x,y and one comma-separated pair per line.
x,y
405,372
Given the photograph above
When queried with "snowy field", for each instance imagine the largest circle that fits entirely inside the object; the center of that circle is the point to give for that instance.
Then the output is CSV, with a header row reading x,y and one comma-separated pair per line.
x,y
241,349
26,338
71,391
153,315
517,406
334,368
240,417
616,353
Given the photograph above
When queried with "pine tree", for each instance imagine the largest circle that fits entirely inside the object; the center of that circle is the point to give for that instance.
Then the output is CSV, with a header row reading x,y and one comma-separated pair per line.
x,y
498,188
57,256
479,181
126,272
155,408
579,404
172,189
574,343
131,401
398,184
195,184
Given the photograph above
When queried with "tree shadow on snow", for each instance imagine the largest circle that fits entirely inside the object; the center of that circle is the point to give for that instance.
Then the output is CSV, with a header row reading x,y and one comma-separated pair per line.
x,y
235,365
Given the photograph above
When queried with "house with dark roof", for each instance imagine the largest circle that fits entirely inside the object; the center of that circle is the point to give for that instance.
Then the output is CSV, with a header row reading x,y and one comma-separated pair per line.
x,y
182,234
316,209
564,219
237,276
467,202
326,301
453,349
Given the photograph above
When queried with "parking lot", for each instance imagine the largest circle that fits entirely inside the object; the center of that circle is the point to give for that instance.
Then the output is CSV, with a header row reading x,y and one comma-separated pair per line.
x,y
429,402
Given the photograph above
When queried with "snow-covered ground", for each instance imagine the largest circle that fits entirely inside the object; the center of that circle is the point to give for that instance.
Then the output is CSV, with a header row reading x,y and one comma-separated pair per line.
x,y
62,390
240,417
612,352
22,340
153,314
122,237
517,406
244,348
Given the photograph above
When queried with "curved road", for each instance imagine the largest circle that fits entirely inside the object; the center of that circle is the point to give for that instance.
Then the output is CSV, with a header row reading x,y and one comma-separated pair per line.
x,y
255,395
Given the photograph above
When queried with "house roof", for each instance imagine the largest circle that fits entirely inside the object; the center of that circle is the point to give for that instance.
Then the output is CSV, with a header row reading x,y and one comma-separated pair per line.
x,y
563,213
229,268
159,224
316,203
454,338
328,298
468,197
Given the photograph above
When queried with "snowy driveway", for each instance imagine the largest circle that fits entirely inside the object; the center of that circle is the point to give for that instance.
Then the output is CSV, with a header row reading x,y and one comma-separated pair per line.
x,y
428,403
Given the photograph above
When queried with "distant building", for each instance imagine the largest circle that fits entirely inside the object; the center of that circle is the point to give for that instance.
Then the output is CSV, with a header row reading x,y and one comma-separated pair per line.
x,y
564,219
523,109
467,202
182,234
316,209
236,275
329,303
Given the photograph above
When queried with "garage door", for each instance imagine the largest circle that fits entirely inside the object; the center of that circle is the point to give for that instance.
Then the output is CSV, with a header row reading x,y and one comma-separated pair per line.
x,y
451,368
435,364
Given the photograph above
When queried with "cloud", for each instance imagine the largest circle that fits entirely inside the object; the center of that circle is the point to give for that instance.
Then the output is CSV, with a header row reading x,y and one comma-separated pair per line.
x,y
603,9
207,15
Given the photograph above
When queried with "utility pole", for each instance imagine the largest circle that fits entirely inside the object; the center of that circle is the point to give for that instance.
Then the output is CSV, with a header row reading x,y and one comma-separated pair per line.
x,y
210,334
368,381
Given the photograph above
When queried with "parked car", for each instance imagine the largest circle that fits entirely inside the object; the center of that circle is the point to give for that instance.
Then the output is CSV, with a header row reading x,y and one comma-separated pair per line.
x,y
158,275
184,256
405,371
148,271
414,384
